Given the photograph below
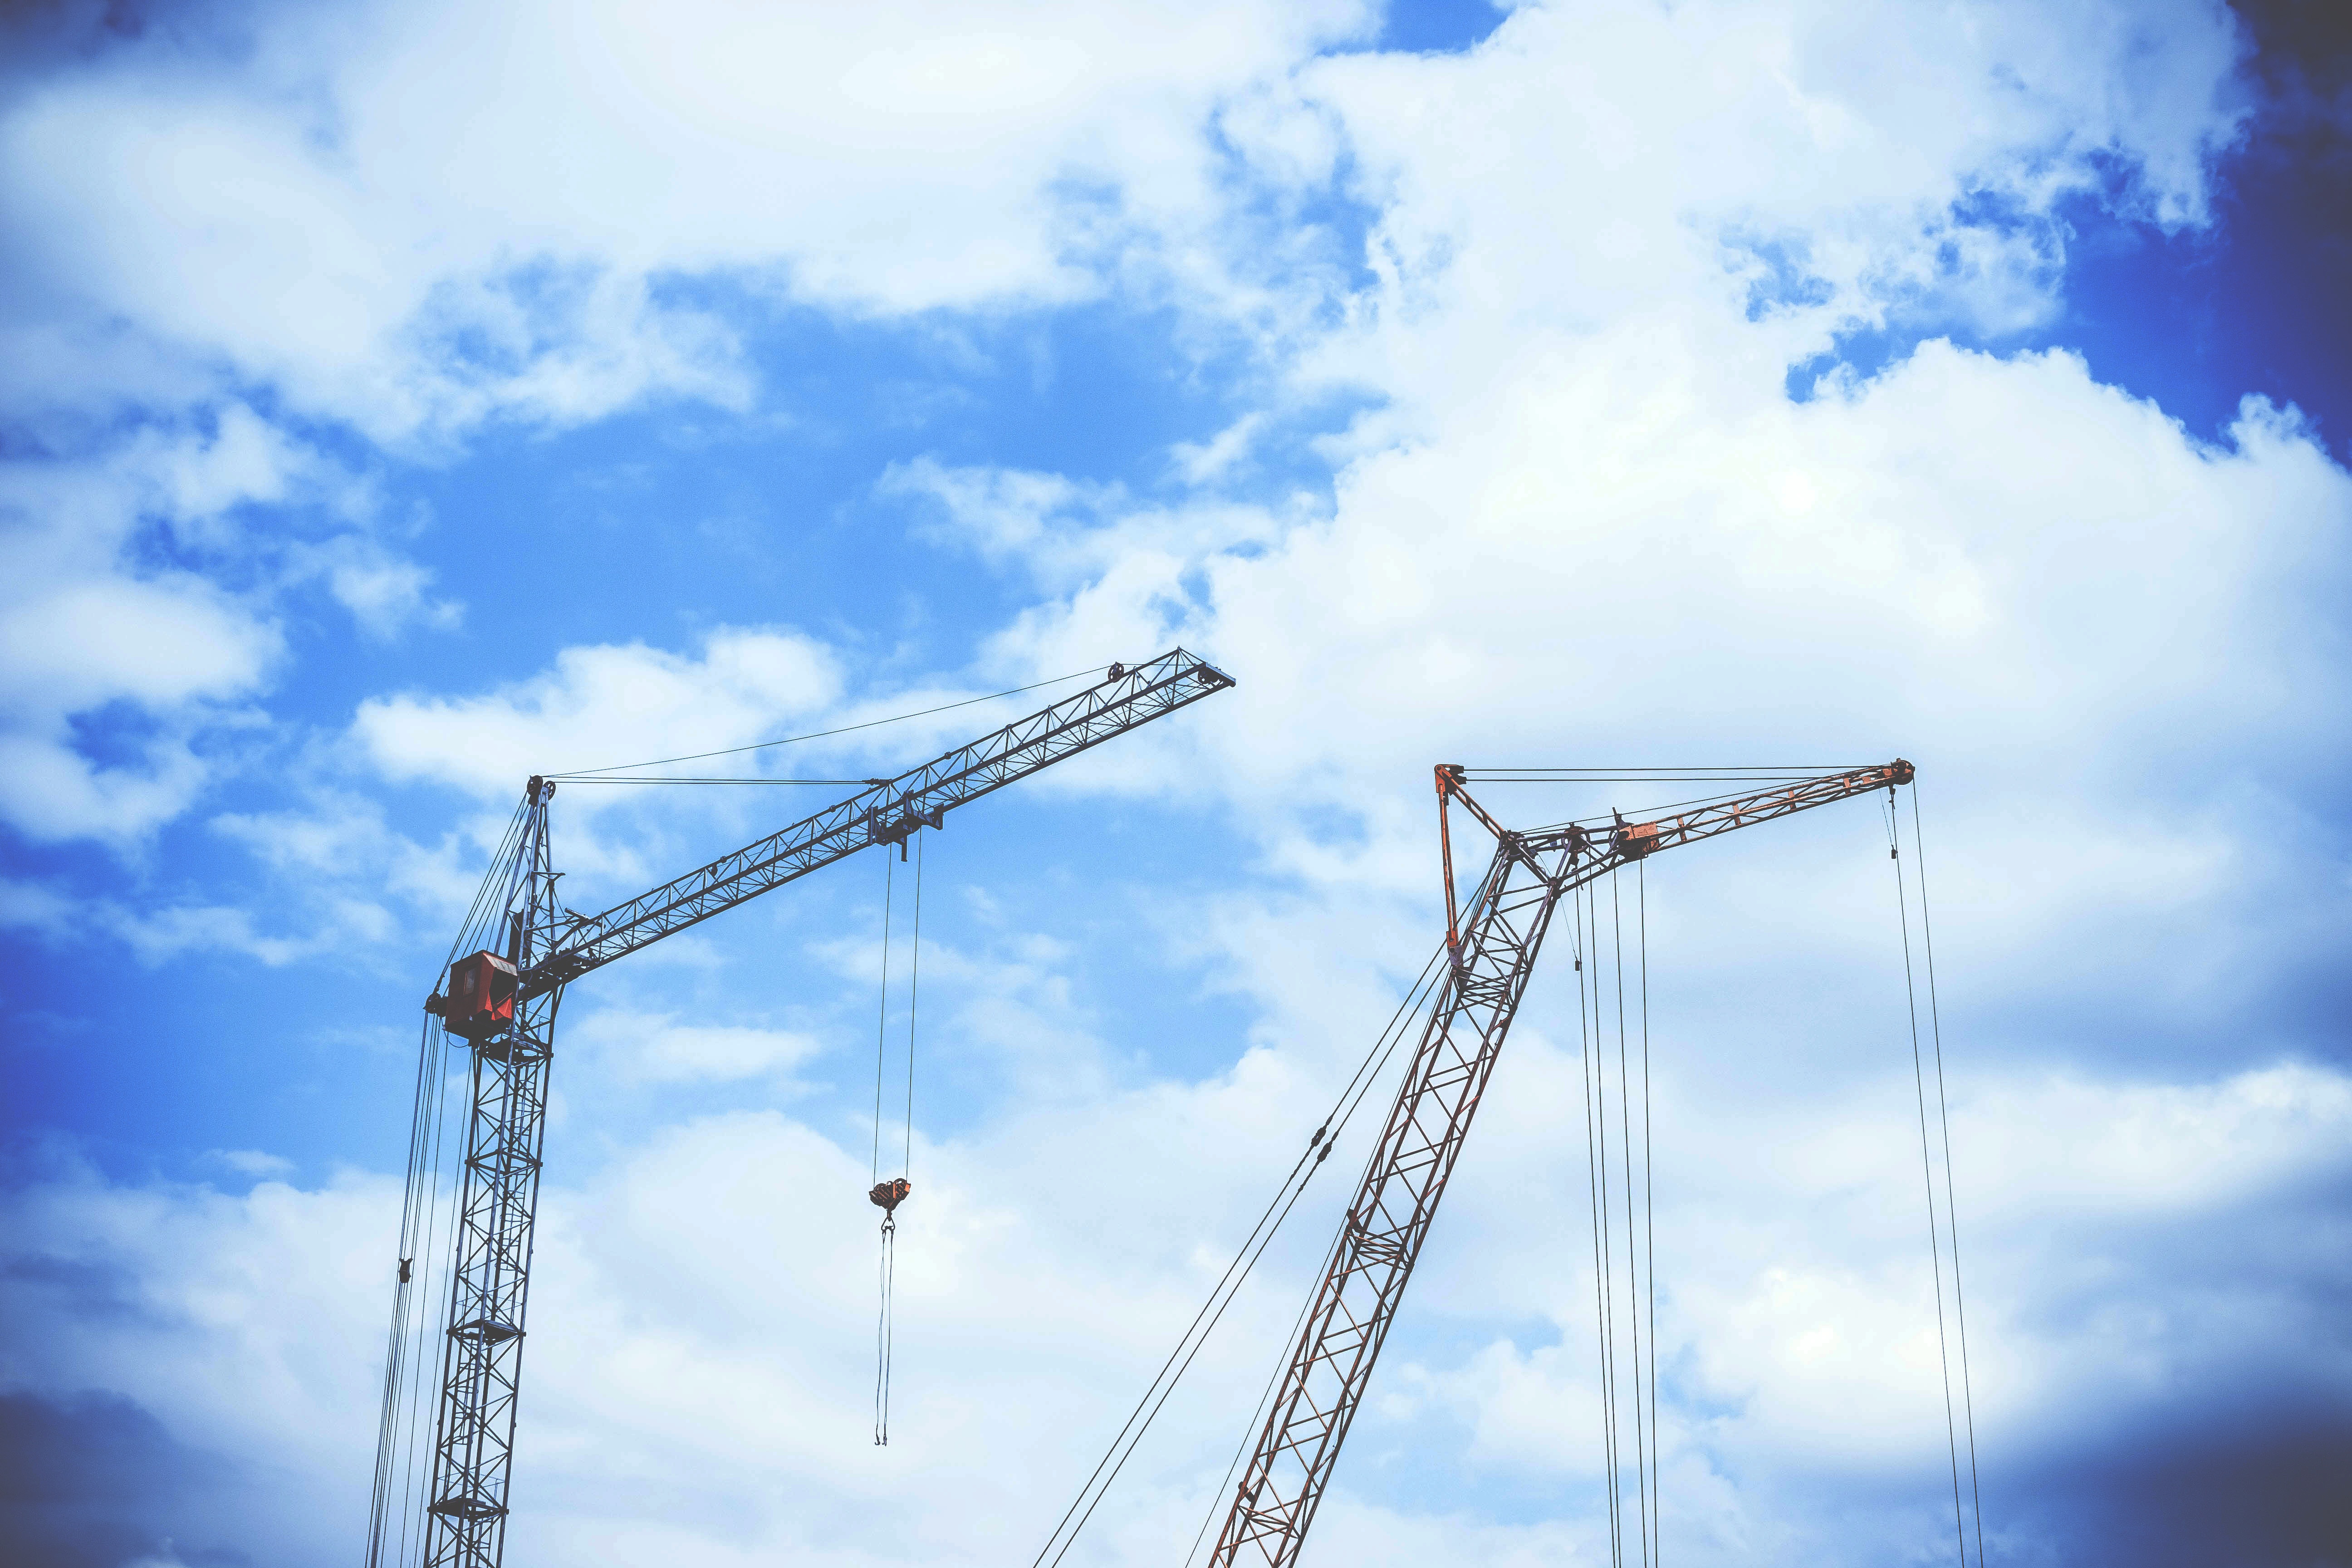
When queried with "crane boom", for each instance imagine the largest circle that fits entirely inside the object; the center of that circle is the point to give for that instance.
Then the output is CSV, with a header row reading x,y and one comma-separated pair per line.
x,y
884,814
1494,952
509,1024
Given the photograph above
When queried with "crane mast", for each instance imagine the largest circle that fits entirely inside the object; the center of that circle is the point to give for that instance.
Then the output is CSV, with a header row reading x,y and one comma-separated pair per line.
x,y
1493,946
504,1006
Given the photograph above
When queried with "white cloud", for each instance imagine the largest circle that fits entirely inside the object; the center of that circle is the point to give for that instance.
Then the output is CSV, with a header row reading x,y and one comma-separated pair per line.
x,y
254,1162
1066,531
1582,522
297,218
257,201
139,619
657,1047
703,1319
603,707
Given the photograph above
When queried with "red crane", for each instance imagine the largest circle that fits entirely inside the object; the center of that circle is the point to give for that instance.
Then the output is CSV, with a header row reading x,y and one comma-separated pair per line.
x,y
1492,945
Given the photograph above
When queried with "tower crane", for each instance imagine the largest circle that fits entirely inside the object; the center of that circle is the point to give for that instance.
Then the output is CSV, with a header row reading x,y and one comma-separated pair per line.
x,y
1492,946
503,1005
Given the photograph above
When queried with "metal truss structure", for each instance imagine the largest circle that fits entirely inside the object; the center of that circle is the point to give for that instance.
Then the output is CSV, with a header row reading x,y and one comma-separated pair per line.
x,y
885,814
1494,949
497,1187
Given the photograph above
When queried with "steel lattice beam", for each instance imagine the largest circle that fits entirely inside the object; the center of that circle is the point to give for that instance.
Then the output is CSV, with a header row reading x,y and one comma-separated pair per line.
x,y
1380,1237
885,814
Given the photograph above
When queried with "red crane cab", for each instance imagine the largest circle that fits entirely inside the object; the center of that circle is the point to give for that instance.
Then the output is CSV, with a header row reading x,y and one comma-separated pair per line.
x,y
481,997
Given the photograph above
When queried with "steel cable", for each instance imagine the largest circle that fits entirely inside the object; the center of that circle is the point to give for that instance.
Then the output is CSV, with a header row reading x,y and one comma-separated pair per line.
x,y
1249,1428
881,1021
1649,1213
914,989
400,1426
1633,1253
1927,1174
885,1328
1952,1200
1221,1296
1596,1155
1282,1360
583,774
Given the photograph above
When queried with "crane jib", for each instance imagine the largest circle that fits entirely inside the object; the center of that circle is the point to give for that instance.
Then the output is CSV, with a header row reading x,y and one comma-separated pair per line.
x,y
1379,1239
884,814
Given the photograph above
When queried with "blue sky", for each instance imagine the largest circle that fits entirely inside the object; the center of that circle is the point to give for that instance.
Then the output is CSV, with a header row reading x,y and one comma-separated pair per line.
x,y
406,399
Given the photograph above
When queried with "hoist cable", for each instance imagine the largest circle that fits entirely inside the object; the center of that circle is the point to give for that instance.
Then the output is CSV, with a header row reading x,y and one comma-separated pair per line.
x,y
1649,1212
889,1266
885,1328
1228,1286
881,1021
1596,1123
1927,1174
914,987
1608,1250
581,774
1952,1200
1633,1253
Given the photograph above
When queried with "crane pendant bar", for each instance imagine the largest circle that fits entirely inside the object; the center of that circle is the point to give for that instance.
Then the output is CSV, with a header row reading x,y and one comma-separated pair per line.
x,y
1493,946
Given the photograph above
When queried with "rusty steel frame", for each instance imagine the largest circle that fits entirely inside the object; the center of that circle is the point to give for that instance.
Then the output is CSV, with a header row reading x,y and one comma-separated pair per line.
x,y
1493,952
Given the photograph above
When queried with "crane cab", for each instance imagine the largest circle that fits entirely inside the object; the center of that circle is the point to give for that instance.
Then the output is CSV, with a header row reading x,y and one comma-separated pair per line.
x,y
480,1001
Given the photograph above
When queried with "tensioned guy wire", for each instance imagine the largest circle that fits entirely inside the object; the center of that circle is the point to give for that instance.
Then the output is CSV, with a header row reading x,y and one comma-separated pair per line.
x,y
1927,1174
1952,1200
1282,1362
1633,1253
1596,1156
1765,771
1228,1286
583,774
1649,1212
636,779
